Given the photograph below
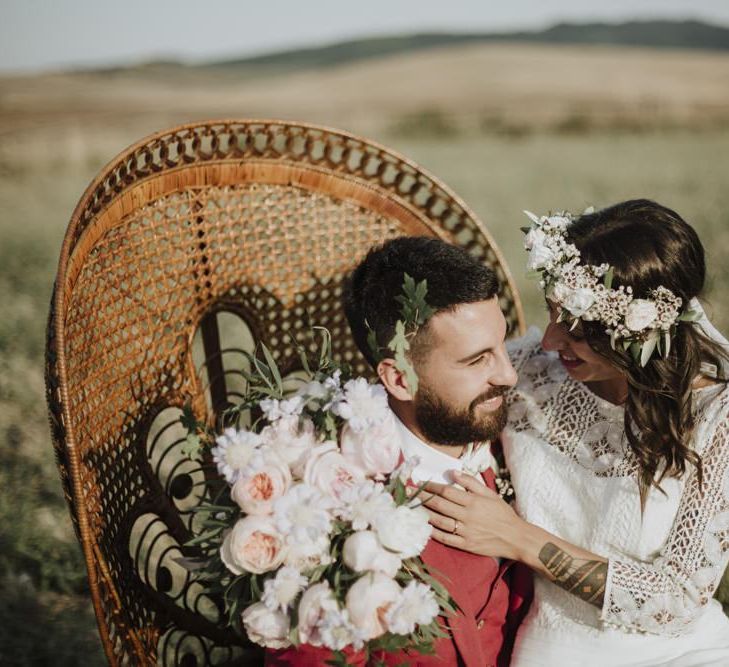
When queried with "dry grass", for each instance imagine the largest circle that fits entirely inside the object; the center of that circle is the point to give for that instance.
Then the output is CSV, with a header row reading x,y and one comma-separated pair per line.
x,y
507,127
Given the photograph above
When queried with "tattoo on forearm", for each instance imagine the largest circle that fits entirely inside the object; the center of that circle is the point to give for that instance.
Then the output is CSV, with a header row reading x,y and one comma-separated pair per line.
x,y
583,578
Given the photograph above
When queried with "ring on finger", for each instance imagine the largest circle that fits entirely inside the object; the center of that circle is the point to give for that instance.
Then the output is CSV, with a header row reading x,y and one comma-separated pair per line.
x,y
456,526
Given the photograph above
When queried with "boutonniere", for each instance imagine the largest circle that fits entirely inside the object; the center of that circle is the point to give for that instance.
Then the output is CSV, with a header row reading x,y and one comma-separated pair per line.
x,y
477,458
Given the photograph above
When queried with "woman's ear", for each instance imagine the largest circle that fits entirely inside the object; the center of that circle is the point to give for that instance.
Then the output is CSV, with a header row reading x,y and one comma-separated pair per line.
x,y
394,380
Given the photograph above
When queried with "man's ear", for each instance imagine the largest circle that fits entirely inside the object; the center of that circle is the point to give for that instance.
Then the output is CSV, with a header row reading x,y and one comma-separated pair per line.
x,y
393,380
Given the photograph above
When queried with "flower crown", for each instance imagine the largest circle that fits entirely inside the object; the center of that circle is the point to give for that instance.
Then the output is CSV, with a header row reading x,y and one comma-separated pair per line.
x,y
585,292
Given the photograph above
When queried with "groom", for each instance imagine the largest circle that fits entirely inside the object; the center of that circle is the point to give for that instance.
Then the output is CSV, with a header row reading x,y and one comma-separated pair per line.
x,y
463,371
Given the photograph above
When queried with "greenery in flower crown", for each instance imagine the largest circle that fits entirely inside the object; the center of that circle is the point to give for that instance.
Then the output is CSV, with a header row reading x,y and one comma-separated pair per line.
x,y
415,312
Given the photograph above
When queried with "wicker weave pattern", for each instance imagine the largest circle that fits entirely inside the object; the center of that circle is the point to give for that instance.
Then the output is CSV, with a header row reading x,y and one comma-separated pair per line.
x,y
262,220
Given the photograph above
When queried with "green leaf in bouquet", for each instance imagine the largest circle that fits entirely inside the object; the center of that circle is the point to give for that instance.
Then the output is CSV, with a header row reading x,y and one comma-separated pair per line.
x,y
273,368
188,419
192,448
203,537
325,353
338,659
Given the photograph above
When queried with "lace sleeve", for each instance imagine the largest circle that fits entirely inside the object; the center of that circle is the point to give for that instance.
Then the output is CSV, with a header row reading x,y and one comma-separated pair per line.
x,y
666,596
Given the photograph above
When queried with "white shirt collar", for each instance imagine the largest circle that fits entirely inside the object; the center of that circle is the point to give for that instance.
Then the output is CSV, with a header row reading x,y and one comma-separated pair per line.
x,y
434,464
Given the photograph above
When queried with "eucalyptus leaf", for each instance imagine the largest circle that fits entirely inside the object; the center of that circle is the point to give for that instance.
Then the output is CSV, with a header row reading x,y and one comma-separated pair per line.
x,y
649,346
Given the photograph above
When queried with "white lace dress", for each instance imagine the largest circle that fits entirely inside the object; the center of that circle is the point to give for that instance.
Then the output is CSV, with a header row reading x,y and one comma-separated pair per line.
x,y
573,475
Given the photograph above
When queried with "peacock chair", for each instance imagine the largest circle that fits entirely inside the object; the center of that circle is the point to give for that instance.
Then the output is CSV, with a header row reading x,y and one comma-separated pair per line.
x,y
190,245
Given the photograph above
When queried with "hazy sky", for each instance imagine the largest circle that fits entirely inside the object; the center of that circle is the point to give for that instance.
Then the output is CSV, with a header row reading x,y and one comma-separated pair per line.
x,y
38,34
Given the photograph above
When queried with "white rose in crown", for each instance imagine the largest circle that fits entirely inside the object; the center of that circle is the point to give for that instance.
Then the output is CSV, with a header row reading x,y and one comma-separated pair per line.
x,y
292,439
266,627
327,470
368,601
539,256
404,529
316,601
253,545
363,552
256,492
640,314
375,450
576,301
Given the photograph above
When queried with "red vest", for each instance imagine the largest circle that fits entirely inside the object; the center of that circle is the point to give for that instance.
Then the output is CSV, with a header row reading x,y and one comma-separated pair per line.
x,y
492,599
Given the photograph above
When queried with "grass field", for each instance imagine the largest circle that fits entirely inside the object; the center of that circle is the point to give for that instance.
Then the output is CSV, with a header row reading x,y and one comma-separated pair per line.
x,y
506,127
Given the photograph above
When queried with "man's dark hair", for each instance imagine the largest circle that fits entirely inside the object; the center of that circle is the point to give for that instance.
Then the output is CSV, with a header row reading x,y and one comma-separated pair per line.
x,y
453,276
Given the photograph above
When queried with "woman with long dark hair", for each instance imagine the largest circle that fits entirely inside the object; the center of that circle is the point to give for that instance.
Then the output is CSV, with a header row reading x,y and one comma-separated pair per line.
x,y
618,446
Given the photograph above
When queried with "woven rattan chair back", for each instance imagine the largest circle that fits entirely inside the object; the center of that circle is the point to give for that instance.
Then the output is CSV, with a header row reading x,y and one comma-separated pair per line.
x,y
191,244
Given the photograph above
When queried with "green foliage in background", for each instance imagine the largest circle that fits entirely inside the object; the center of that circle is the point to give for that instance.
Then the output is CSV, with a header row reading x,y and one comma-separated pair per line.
x,y
45,615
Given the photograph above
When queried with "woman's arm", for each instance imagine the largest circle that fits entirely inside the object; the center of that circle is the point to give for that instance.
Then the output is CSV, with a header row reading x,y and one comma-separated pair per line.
x,y
505,535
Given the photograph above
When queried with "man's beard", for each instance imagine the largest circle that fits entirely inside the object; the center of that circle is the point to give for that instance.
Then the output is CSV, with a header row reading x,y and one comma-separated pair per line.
x,y
443,424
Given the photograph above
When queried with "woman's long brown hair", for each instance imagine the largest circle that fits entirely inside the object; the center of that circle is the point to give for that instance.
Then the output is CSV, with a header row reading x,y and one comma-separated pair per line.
x,y
649,245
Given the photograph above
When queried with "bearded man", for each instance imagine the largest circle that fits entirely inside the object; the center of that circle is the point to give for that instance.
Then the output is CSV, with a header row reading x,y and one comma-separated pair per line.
x,y
446,424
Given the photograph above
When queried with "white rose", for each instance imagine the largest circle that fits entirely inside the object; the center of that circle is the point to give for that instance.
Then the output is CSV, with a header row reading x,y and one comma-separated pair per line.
x,y
640,315
256,491
417,606
253,545
363,552
539,257
368,600
292,439
405,530
577,301
266,627
375,450
327,470
313,607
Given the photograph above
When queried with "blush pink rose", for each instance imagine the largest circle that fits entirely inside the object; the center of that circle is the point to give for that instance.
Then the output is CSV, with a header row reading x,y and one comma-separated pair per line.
x,y
327,470
376,449
253,545
256,492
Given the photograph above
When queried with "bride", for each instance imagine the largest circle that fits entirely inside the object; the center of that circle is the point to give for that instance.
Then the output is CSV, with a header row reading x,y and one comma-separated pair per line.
x,y
618,446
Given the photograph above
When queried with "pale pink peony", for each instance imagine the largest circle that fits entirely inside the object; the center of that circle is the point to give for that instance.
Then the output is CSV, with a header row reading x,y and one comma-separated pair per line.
x,y
368,601
266,627
327,470
256,492
253,545
376,450
315,603
405,530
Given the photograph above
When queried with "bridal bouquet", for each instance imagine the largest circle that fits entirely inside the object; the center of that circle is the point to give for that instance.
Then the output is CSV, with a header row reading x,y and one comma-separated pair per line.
x,y
312,537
